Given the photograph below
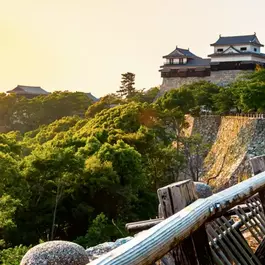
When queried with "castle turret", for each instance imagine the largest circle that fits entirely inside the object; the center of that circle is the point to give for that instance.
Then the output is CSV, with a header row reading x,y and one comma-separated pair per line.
x,y
183,63
237,53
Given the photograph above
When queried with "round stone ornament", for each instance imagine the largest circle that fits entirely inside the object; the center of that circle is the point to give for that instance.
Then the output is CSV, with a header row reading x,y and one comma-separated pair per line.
x,y
56,253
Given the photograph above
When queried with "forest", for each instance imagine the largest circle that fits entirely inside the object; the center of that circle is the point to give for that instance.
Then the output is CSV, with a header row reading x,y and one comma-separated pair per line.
x,y
76,170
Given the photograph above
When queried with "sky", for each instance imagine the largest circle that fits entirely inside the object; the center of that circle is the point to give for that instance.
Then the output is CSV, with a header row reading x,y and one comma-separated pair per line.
x,y
85,45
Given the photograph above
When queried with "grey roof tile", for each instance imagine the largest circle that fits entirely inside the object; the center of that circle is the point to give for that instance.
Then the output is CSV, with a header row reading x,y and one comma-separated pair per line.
x,y
93,98
196,62
180,53
230,40
35,90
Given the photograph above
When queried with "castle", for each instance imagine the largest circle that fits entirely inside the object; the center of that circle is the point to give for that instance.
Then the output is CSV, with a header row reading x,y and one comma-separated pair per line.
x,y
230,57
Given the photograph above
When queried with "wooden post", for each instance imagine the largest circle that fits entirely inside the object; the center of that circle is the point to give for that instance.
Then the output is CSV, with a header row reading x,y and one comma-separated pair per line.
x,y
195,249
258,166
160,213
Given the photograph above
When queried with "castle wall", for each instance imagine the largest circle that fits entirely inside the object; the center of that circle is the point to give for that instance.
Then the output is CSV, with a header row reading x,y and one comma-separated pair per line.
x,y
221,78
243,58
232,141
250,47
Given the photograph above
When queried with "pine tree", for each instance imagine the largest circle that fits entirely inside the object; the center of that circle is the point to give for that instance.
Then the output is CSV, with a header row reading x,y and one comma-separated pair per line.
x,y
127,88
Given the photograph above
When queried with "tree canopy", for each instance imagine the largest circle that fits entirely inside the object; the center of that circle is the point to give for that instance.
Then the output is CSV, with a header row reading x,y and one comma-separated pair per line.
x,y
127,88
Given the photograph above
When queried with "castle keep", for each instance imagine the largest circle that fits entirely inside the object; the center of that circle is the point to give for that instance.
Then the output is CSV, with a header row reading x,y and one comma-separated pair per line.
x,y
230,57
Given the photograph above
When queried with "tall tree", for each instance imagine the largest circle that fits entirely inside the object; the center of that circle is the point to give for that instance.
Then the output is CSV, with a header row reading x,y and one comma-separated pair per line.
x,y
127,88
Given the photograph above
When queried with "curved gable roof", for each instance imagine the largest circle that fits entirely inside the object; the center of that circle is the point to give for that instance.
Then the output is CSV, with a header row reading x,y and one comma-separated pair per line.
x,y
34,90
180,53
231,40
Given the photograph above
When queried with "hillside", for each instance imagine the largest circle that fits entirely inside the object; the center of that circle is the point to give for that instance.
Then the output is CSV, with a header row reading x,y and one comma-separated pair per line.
x,y
85,170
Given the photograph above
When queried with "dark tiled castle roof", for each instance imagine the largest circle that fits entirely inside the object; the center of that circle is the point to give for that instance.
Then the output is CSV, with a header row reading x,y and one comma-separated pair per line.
x,y
180,53
246,39
34,90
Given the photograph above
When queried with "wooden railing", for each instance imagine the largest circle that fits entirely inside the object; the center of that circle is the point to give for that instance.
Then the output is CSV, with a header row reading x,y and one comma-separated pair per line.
x,y
188,223
260,116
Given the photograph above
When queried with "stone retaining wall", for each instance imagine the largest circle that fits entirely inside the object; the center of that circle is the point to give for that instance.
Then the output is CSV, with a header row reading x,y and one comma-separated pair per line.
x,y
221,78
232,140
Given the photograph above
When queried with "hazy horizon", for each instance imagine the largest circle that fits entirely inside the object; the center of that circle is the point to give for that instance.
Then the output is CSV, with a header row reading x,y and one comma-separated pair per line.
x,y
86,45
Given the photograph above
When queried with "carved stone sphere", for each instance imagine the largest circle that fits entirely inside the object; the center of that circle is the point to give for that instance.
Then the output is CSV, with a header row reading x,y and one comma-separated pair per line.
x,y
203,190
56,253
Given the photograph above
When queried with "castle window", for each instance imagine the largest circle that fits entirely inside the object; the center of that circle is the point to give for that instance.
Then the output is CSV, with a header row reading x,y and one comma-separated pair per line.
x,y
255,49
181,61
220,50
243,48
170,61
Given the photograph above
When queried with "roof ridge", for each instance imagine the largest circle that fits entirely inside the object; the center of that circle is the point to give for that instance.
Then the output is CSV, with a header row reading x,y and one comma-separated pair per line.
x,y
28,86
248,35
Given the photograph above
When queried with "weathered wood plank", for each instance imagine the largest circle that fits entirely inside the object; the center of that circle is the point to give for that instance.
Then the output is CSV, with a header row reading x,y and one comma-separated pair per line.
x,y
174,198
160,213
257,164
143,225
154,243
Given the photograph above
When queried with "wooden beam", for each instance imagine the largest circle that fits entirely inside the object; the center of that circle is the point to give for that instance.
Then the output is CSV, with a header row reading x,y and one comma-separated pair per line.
x,y
146,224
143,225
257,164
153,244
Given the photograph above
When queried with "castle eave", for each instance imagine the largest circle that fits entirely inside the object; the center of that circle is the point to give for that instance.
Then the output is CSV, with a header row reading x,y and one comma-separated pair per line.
x,y
261,55
241,43
175,56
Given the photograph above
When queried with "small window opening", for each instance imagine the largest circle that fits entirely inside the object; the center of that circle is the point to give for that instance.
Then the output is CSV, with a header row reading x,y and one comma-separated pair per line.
x,y
243,48
180,60
220,50
255,49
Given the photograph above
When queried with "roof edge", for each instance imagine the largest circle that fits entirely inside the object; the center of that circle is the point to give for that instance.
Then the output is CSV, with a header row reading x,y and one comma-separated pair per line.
x,y
253,43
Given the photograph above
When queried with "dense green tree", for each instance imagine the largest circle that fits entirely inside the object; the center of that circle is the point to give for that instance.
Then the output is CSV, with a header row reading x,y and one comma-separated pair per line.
x,y
150,95
7,109
51,173
203,93
24,115
246,94
252,97
13,256
101,230
182,99
106,102
147,96
226,100
127,88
